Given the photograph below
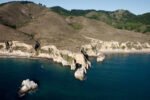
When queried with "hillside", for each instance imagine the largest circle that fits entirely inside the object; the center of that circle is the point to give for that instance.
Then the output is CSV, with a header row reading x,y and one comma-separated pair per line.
x,y
121,19
30,22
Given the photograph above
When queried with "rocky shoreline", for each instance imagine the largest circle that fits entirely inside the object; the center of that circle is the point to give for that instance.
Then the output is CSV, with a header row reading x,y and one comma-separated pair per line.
x,y
66,58
79,62
116,47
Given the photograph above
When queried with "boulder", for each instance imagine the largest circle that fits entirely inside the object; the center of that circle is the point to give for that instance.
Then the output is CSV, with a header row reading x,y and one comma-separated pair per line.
x,y
100,57
79,74
27,86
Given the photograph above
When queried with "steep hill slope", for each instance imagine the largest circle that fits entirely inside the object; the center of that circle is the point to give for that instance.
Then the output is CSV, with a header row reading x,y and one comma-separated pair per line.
x,y
30,22
100,30
51,28
121,19
16,14
7,34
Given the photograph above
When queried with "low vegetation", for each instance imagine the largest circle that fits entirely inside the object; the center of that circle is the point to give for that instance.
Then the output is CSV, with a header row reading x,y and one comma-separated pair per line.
x,y
67,58
67,29
24,49
43,51
121,19
1,46
76,26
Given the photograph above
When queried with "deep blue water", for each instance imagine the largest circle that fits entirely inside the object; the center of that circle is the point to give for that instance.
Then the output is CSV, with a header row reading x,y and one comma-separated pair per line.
x,y
119,77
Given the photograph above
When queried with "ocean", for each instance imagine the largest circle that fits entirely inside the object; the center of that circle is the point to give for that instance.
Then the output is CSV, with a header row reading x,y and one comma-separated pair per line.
x,y
118,77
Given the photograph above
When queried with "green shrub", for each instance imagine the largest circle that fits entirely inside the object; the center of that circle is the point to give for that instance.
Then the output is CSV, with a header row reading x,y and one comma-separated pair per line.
x,y
50,50
76,26
67,58
44,51
123,47
20,48
96,17
1,46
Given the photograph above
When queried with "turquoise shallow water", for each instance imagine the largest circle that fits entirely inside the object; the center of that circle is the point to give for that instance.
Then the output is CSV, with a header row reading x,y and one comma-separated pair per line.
x,y
119,77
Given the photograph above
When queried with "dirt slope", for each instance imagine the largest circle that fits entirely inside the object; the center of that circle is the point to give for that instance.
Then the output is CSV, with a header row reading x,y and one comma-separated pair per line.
x,y
30,22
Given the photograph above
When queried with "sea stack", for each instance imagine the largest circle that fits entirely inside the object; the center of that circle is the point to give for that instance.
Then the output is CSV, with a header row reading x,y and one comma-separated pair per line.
x,y
79,74
27,86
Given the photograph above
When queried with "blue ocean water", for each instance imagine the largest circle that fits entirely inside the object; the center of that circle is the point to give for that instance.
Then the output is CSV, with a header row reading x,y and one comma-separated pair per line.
x,y
119,77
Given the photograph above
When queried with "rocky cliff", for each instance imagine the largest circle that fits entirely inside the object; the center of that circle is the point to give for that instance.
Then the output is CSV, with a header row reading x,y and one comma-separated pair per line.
x,y
32,30
78,61
29,22
98,46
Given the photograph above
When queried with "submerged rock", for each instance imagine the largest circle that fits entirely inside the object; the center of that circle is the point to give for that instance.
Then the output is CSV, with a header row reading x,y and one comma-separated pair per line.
x,y
27,86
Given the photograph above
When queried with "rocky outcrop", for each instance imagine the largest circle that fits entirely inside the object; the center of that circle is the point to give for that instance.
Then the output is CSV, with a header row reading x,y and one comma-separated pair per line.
x,y
99,46
100,57
80,74
27,86
16,49
65,57
77,61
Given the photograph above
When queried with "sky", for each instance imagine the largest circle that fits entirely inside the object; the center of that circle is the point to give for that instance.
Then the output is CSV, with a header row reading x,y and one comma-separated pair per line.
x,y
135,6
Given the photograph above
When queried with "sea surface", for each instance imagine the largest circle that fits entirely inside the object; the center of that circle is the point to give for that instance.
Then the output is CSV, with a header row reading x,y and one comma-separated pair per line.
x,y
119,77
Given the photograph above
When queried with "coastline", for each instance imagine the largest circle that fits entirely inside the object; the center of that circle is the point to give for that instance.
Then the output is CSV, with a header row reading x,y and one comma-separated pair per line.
x,y
126,52
12,56
105,52
17,49
79,62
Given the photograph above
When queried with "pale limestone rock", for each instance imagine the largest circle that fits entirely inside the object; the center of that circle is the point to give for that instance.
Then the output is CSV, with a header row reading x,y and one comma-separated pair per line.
x,y
59,57
92,50
20,44
81,60
89,50
79,74
120,47
73,66
95,48
100,58
27,86
147,45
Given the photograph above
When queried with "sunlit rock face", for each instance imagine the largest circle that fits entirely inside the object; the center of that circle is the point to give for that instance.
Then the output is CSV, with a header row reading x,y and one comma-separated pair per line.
x,y
98,46
27,86
65,57
80,74
16,48
100,57
68,58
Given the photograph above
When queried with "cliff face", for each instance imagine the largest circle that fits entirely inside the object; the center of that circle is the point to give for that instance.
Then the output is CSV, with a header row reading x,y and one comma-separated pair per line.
x,y
29,22
23,23
77,61
97,46
66,58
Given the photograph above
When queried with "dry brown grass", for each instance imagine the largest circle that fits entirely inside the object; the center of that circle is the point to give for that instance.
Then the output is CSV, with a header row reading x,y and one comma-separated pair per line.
x,y
51,28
